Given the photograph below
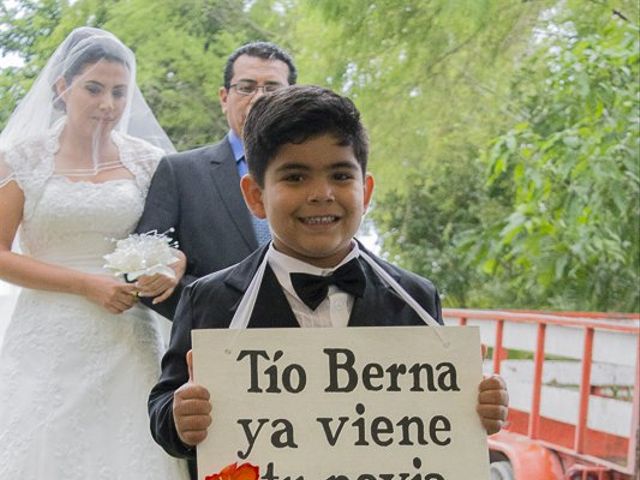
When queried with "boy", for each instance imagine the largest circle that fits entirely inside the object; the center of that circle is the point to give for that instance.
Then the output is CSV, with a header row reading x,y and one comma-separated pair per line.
x,y
307,154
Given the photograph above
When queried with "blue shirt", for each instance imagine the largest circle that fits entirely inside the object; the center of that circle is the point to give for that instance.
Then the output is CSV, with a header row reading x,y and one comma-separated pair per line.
x,y
260,226
237,147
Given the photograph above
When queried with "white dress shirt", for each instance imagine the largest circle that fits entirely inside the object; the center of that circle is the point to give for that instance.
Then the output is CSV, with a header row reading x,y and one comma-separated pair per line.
x,y
334,311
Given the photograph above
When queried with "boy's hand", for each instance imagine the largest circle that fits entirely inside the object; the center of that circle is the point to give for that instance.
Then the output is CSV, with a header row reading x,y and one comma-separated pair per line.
x,y
191,409
493,402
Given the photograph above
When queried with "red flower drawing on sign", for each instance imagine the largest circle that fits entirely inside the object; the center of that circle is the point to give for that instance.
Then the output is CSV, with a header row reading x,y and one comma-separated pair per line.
x,y
246,471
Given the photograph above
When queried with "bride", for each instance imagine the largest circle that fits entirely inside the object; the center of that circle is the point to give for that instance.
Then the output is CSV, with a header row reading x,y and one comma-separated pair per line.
x,y
79,355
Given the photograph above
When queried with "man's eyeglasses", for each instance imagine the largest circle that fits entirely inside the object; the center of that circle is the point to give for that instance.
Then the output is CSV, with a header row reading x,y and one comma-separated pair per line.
x,y
250,88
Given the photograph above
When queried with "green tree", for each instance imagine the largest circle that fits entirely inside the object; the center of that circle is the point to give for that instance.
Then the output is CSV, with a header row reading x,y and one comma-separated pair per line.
x,y
181,48
24,27
564,180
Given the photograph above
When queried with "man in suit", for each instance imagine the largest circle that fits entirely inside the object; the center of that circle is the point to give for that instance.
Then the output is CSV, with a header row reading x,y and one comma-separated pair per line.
x,y
307,154
197,193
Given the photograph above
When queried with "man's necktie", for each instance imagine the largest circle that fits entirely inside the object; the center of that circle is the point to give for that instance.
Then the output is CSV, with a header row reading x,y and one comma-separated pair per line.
x,y
312,289
260,225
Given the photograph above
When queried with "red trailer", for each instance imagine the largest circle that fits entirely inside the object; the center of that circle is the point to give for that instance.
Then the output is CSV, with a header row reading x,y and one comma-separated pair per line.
x,y
564,427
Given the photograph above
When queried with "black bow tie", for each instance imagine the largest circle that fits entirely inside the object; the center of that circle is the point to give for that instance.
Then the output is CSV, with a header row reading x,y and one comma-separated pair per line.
x,y
312,289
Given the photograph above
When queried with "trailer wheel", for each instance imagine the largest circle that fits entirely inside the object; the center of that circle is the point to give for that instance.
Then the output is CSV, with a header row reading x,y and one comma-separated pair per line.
x,y
501,471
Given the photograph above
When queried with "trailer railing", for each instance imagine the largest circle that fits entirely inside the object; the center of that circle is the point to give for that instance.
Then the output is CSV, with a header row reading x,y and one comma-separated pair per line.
x,y
583,449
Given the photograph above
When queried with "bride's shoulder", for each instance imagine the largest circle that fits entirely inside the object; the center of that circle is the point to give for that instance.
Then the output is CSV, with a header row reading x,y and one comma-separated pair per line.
x,y
138,147
31,155
139,156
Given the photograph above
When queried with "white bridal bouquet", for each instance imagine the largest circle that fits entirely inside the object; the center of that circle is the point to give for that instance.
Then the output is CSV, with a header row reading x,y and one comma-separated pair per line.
x,y
142,254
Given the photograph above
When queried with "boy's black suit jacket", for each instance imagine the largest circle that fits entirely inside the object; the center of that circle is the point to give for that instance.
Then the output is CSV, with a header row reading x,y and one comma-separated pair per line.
x,y
211,302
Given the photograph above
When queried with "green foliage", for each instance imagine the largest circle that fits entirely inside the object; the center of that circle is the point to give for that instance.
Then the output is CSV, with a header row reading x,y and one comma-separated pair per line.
x,y
420,228
25,28
418,73
181,48
566,176
26,24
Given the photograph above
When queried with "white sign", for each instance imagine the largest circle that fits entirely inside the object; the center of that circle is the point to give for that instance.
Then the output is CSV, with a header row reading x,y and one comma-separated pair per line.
x,y
388,403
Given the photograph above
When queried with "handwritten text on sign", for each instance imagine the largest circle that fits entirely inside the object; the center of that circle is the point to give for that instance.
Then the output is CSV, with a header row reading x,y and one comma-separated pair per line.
x,y
396,403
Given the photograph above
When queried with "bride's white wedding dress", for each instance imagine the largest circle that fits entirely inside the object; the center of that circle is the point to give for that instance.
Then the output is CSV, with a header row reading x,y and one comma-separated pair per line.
x,y
74,379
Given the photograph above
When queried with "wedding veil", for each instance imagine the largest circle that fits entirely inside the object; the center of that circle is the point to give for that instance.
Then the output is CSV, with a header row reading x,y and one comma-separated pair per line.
x,y
41,115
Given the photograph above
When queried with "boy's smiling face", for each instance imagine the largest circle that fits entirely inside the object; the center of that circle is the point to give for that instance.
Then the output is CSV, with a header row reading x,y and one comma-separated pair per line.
x,y
314,197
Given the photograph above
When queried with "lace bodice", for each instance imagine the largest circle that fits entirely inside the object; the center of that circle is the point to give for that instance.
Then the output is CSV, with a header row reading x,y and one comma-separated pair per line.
x,y
74,223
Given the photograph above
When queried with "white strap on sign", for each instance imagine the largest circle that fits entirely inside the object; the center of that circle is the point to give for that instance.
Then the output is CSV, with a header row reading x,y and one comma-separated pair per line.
x,y
243,313
422,313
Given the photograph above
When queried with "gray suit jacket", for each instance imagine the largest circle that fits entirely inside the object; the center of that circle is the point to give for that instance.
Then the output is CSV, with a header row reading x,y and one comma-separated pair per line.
x,y
197,193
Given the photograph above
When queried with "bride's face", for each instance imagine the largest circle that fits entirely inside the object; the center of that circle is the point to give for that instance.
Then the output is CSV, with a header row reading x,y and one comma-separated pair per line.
x,y
96,97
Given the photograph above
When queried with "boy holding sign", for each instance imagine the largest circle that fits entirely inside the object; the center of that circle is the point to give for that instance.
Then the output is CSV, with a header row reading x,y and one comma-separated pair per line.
x,y
307,155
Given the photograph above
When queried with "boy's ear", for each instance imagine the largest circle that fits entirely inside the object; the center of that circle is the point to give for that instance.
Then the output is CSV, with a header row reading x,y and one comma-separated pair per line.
x,y
368,190
252,194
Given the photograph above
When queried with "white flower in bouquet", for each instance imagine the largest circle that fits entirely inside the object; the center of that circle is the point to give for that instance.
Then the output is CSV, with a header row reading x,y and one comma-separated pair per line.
x,y
142,254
